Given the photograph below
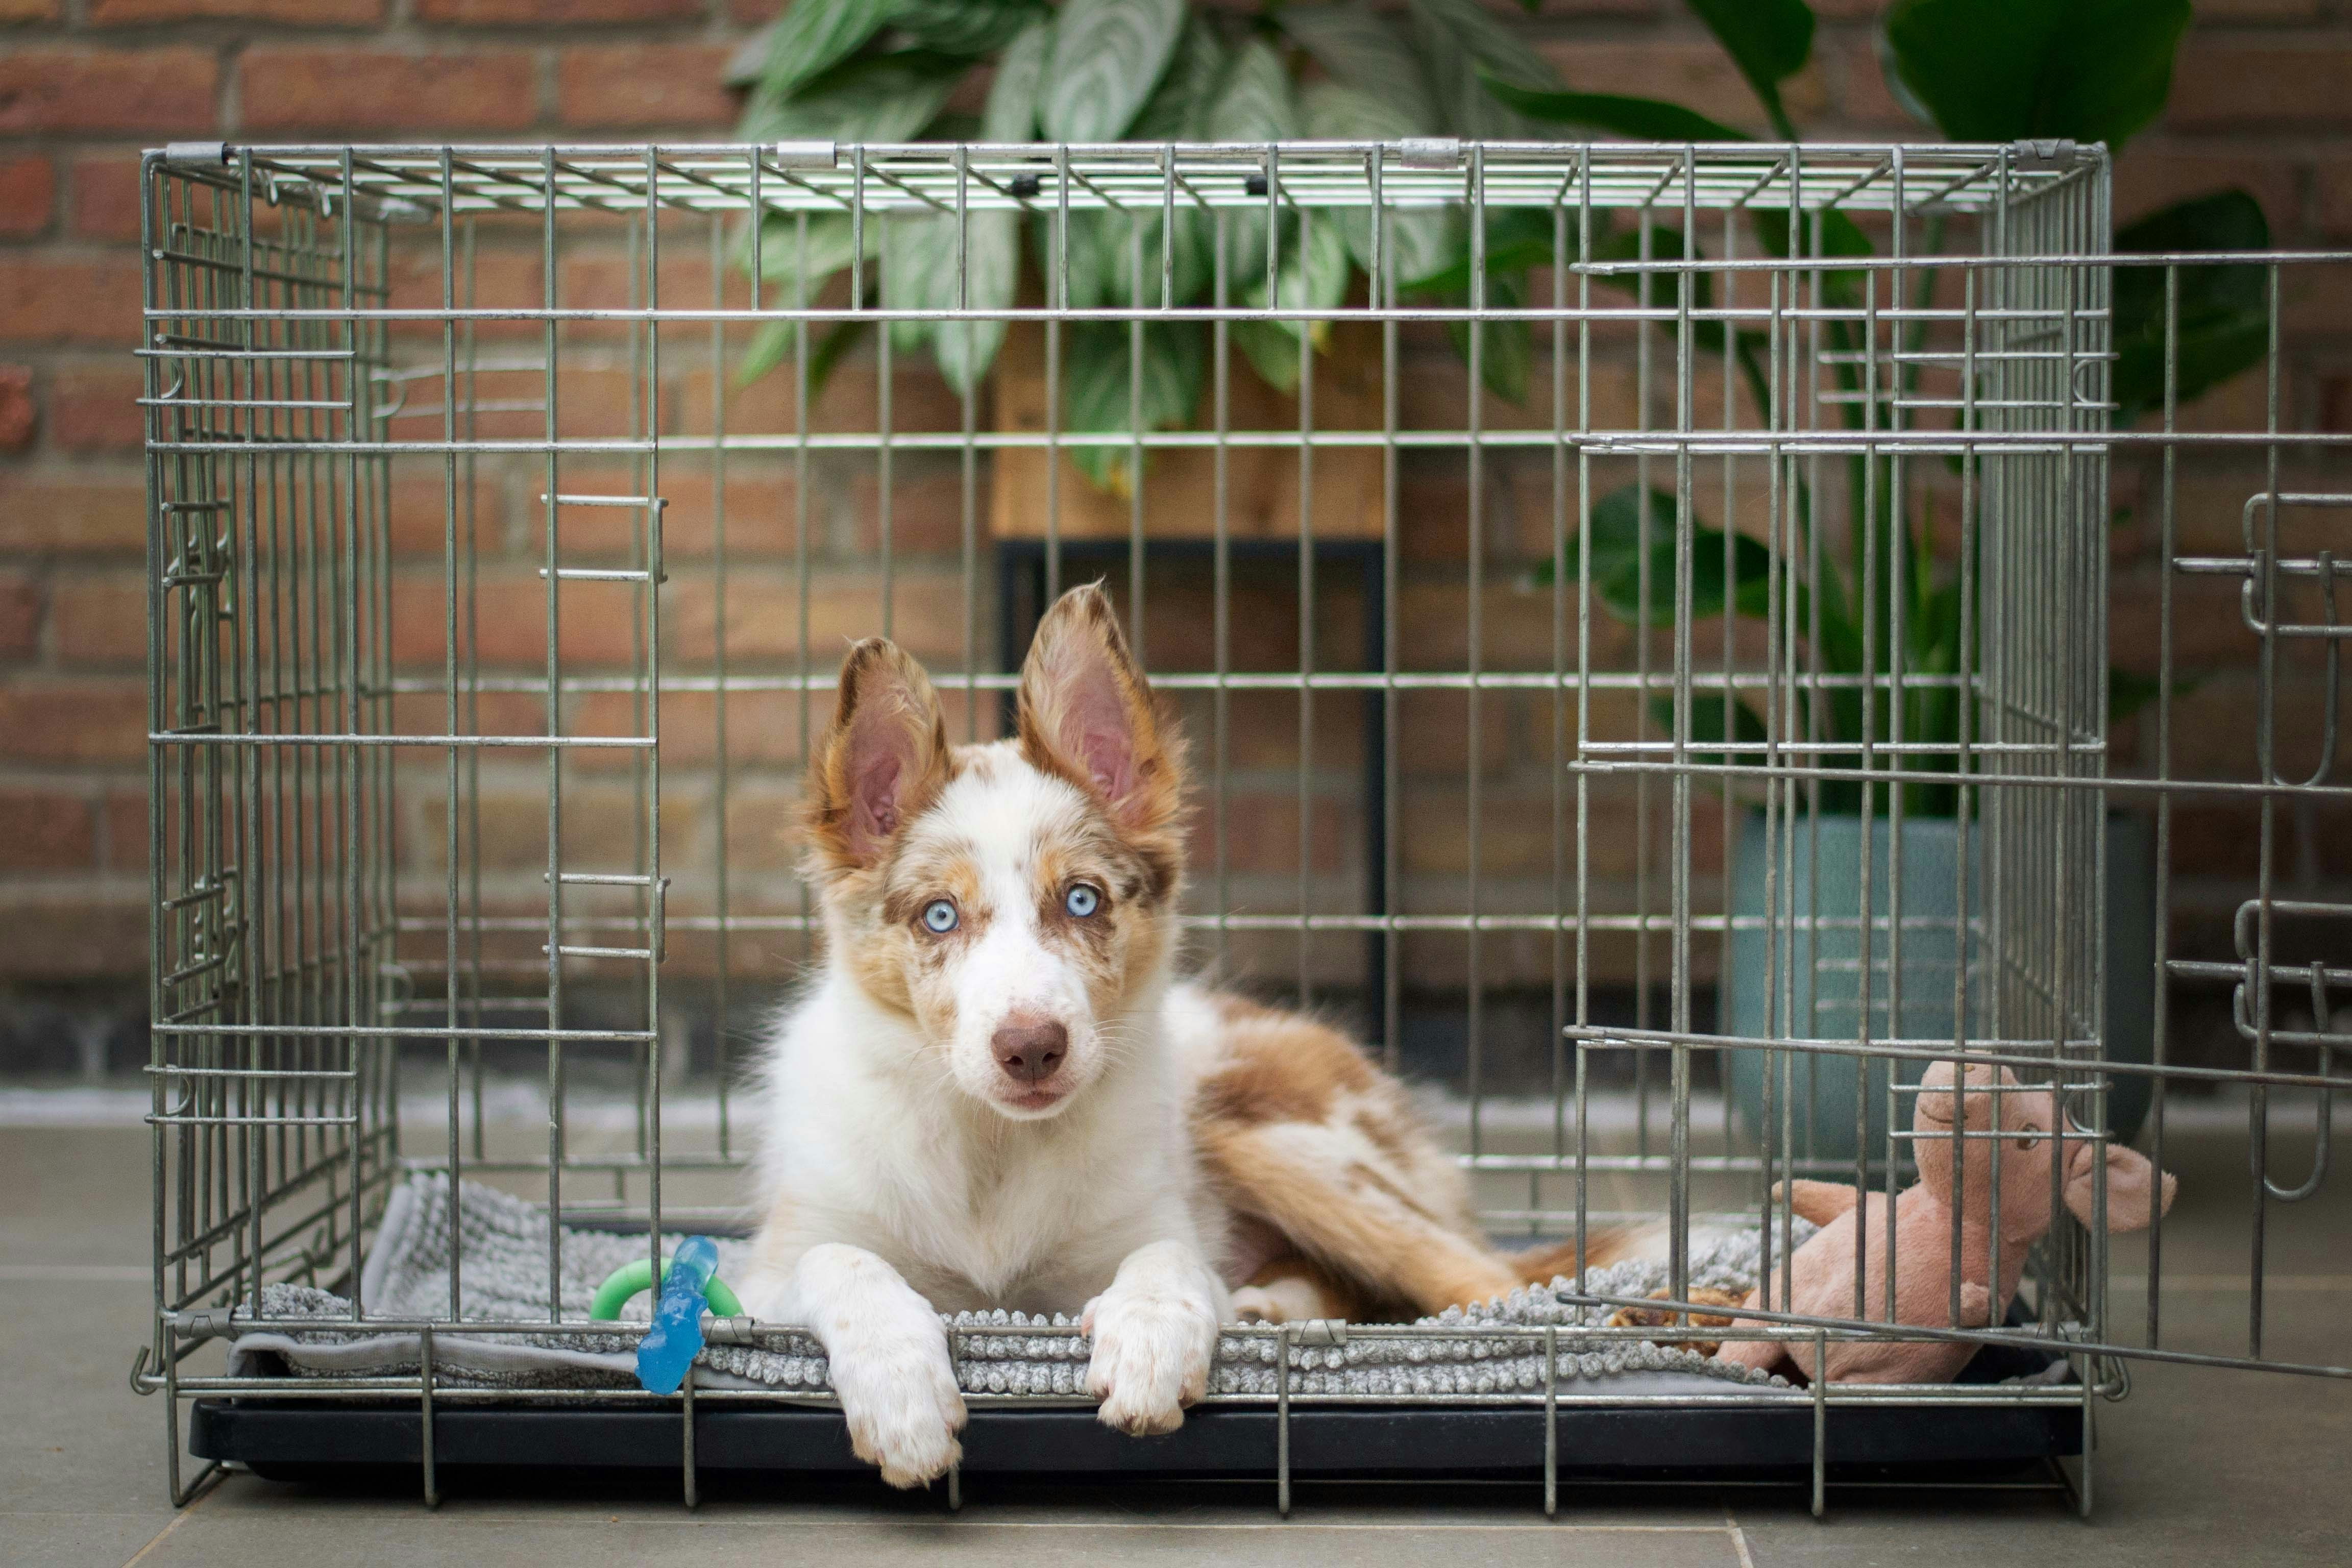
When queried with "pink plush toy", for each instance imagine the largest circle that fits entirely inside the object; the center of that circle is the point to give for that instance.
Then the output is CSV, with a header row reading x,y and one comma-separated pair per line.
x,y
1821,1271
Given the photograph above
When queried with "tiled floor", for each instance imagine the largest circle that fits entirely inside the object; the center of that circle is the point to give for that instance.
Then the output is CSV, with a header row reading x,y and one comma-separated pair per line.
x,y
2198,1467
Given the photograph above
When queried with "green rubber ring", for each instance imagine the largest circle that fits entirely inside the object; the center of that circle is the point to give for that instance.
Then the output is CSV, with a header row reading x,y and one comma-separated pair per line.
x,y
632,1277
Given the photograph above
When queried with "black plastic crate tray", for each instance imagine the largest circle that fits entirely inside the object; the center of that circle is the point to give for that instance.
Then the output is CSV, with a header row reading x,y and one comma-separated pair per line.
x,y
314,1440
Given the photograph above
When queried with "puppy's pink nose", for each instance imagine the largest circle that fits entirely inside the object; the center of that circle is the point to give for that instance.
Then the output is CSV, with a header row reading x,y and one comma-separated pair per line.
x,y
1029,1047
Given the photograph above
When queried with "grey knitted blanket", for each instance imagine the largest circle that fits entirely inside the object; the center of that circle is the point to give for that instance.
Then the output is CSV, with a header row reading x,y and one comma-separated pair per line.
x,y
502,1250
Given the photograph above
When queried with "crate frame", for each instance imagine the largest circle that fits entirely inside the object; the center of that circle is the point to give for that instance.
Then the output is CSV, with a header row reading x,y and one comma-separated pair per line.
x,y
271,1160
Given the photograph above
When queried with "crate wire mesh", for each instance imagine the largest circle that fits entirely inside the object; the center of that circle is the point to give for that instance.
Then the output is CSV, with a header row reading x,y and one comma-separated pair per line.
x,y
325,322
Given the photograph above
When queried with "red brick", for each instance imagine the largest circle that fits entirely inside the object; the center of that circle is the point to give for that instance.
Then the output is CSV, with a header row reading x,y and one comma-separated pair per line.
x,y
759,517
105,196
596,620
761,823
420,497
640,85
293,13
600,829
2255,10
123,821
347,92
2265,81
46,830
27,195
2154,176
1864,98
72,515
20,615
17,412
95,407
763,623
100,620
553,12
76,934
89,718
762,727
13,12
111,93
46,298
926,511
1699,75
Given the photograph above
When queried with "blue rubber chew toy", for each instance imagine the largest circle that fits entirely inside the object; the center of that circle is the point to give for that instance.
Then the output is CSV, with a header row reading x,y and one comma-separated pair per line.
x,y
675,1339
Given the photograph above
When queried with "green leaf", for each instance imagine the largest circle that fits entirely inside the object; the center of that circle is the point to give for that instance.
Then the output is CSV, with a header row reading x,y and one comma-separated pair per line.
x,y
1108,57
1768,40
1179,108
1365,56
1256,105
964,27
1505,348
1615,535
1314,277
785,262
880,98
2224,310
814,36
1997,70
1636,119
919,273
2128,692
1011,113
1461,43
774,341
1839,235
1097,388
1426,239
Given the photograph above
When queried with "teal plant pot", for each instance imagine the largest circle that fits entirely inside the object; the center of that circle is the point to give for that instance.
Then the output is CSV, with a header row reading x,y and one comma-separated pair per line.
x,y
1809,984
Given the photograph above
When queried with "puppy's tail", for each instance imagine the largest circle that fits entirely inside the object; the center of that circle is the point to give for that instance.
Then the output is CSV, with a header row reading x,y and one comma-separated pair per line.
x,y
1603,1245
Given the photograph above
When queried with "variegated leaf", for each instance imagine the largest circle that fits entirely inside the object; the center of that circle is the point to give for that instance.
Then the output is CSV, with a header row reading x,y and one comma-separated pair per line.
x,y
1010,114
1108,58
1365,55
814,36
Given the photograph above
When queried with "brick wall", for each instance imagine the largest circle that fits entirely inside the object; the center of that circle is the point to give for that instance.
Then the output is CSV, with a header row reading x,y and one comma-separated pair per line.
x,y
84,84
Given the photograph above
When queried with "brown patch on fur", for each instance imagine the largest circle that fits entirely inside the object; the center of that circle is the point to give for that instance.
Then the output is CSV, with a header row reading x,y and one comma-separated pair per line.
x,y
885,708
1283,1123
1657,1317
1087,716
1301,1133
1280,1066
1304,1289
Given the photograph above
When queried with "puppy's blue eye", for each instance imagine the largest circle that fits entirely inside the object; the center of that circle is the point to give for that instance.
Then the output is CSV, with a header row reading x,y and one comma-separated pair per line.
x,y
1082,901
940,915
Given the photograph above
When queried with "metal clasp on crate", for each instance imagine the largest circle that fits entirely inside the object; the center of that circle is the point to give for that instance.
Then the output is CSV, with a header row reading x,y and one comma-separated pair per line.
x,y
2043,152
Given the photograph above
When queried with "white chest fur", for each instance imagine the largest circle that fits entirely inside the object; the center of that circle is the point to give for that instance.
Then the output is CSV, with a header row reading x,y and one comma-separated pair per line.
x,y
865,1141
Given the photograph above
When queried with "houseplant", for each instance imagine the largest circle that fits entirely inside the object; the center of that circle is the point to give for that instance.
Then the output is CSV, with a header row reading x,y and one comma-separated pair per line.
x,y
1978,70
1140,70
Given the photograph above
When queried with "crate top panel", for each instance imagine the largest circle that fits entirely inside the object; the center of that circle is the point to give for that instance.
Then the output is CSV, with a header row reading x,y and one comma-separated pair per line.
x,y
416,182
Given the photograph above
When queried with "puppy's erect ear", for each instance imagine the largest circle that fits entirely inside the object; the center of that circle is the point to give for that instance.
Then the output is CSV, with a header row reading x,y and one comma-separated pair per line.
x,y
883,760
1085,714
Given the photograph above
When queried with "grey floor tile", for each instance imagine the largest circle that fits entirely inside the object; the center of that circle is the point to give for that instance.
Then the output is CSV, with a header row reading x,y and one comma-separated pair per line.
x,y
303,1543
76,1439
75,1540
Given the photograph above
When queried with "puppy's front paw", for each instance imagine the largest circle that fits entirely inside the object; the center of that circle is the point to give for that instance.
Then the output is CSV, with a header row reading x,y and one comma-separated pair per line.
x,y
903,1406
1151,1358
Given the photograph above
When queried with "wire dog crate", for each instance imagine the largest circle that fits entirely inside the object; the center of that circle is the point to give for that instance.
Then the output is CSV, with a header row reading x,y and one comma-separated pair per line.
x,y
492,606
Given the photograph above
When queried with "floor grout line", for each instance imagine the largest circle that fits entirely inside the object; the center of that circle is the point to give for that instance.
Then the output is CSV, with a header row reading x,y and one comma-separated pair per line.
x,y
1738,1538
177,1520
